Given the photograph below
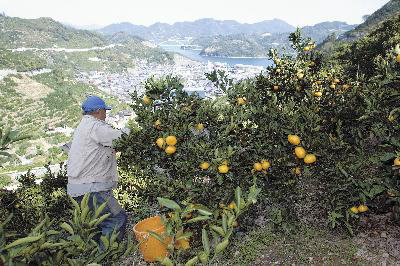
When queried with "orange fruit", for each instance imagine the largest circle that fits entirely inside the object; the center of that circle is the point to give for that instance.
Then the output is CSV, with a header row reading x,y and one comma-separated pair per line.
x,y
318,94
346,86
297,171
204,165
396,162
354,209
307,48
300,152
265,164
336,80
157,124
398,58
300,75
362,208
232,205
170,149
257,167
171,140
293,139
182,244
223,169
332,86
200,127
241,101
276,88
160,142
146,99
310,158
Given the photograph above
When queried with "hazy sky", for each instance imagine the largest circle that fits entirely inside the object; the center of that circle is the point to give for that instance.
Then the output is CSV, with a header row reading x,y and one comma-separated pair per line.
x,y
147,12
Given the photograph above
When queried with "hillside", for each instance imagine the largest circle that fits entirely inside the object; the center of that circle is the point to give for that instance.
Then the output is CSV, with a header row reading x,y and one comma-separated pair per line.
x,y
257,45
372,22
389,10
44,33
202,27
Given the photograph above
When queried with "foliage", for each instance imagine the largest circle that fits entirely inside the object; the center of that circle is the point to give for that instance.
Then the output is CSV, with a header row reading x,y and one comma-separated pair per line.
x,y
220,223
77,242
8,137
32,200
337,115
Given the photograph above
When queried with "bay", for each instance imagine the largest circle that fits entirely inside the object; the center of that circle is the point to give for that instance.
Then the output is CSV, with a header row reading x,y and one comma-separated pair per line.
x,y
231,61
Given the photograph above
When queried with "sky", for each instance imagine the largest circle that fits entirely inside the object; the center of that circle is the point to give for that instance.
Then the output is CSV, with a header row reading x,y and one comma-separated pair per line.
x,y
147,12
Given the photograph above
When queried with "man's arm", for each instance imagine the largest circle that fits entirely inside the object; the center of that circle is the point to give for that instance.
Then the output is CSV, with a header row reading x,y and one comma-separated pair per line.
x,y
105,134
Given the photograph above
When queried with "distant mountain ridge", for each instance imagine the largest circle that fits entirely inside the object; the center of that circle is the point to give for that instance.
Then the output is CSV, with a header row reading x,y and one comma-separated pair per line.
x,y
198,28
258,45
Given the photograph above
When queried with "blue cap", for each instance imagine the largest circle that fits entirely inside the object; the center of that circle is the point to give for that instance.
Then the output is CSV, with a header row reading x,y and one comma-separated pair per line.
x,y
94,103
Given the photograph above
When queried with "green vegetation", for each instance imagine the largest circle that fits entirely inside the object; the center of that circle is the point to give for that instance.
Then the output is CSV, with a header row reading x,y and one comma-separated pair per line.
x,y
44,33
20,61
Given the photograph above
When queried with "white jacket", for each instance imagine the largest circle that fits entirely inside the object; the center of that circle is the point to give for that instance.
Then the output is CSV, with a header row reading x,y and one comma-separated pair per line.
x,y
91,158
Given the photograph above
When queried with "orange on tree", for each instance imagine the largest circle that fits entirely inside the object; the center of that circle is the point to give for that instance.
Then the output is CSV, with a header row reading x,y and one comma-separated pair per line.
x,y
204,165
200,127
265,164
231,205
223,169
276,87
241,101
310,158
318,94
300,75
170,149
354,209
157,124
336,80
160,142
294,139
300,152
297,171
171,140
146,99
257,166
396,162
398,58
362,208
307,48
332,86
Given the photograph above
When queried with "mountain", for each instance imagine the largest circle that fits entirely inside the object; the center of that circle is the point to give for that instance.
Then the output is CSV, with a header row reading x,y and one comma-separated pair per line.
x,y
387,11
198,28
44,33
257,45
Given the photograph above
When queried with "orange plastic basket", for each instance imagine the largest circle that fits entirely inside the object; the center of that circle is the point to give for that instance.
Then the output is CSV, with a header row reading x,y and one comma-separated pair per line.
x,y
151,248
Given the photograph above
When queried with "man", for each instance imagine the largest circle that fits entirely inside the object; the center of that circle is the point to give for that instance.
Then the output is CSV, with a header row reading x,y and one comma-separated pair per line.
x,y
92,164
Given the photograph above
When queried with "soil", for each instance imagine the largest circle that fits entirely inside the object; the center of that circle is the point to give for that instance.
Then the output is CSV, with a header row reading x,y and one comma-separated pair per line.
x,y
31,89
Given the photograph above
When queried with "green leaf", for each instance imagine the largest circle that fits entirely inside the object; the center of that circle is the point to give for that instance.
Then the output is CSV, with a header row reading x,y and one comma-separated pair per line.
x,y
185,236
198,219
156,236
238,196
168,203
205,241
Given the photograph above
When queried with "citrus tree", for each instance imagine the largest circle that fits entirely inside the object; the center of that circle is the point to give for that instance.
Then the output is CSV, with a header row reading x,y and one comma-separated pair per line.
x,y
309,133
